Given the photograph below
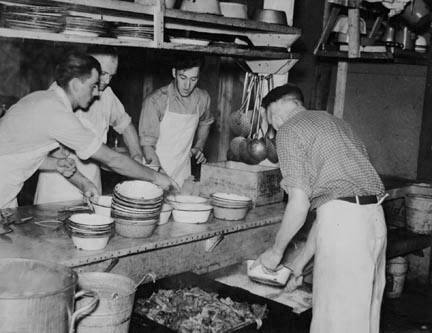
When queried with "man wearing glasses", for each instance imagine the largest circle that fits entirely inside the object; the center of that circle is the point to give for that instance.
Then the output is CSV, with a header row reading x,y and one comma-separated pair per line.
x,y
105,111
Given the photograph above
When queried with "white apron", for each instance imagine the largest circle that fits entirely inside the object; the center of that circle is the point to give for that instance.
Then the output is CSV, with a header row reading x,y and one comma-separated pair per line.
x,y
53,187
176,136
16,169
349,268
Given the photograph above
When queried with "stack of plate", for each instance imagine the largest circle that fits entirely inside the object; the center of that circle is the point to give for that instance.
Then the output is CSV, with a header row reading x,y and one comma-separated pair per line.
x,y
133,31
136,207
85,26
229,206
89,231
34,17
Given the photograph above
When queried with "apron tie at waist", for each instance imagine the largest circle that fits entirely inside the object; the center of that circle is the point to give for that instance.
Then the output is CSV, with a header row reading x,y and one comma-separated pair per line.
x,y
361,200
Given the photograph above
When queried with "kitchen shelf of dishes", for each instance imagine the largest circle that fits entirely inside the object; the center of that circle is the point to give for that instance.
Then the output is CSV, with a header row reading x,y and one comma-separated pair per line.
x,y
58,22
136,208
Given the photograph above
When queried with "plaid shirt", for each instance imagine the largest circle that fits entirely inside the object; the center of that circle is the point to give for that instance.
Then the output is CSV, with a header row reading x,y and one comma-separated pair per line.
x,y
322,155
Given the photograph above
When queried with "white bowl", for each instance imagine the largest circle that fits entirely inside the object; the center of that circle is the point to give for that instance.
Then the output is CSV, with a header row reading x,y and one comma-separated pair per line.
x,y
165,214
199,213
90,243
139,189
103,205
233,9
91,219
231,214
183,198
231,197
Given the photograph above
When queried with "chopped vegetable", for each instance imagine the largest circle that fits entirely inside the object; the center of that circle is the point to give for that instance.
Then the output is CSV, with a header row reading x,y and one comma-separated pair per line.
x,y
193,310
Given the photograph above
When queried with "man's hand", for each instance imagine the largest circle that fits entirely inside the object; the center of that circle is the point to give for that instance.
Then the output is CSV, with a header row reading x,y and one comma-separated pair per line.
x,y
90,190
199,156
66,167
294,282
270,259
167,183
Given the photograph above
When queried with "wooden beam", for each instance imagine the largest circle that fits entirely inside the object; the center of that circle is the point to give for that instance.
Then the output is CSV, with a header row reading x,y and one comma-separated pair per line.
x,y
341,80
424,164
159,24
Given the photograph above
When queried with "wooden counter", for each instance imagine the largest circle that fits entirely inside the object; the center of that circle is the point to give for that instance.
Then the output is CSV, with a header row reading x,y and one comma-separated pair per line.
x,y
173,248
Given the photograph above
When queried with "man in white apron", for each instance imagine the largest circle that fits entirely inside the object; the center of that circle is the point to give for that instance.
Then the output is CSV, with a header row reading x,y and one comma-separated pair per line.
x,y
325,166
171,117
43,120
105,111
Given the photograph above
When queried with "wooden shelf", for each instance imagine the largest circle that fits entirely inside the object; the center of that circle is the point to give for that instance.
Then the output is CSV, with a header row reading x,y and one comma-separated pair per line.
x,y
398,56
153,12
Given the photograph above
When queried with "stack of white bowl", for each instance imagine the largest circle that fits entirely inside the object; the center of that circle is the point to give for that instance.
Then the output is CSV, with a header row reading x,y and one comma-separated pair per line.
x,y
229,206
136,207
189,208
89,231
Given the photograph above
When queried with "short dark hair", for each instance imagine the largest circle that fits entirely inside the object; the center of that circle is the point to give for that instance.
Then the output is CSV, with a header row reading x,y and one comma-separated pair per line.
x,y
103,49
75,65
188,61
282,91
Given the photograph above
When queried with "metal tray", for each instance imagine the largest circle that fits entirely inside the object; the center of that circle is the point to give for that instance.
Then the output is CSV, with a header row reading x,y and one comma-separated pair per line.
x,y
278,315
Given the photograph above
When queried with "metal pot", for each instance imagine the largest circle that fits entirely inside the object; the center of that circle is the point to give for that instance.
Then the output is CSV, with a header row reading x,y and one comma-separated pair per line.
x,y
405,38
416,15
38,297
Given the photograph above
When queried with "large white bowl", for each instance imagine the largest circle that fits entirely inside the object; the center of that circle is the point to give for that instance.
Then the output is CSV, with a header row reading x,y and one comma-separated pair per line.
x,y
139,189
91,219
90,243
103,205
231,214
233,9
199,213
186,202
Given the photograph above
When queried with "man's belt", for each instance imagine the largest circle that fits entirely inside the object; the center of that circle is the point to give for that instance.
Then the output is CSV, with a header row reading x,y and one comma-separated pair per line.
x,y
361,200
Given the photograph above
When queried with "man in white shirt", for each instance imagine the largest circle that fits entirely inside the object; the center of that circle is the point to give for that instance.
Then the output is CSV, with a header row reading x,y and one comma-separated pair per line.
x,y
43,120
106,110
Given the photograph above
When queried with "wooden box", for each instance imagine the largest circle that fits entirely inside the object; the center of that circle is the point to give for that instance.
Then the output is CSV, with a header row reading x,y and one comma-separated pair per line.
x,y
260,183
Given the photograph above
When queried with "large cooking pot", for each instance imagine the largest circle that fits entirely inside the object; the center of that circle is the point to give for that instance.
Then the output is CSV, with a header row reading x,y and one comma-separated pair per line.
x,y
38,297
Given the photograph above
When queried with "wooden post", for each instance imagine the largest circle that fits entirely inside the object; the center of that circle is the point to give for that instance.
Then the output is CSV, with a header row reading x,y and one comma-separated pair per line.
x,y
424,163
353,32
158,22
341,80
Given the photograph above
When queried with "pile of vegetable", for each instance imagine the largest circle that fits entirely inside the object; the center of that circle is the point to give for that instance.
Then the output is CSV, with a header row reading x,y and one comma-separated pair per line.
x,y
195,310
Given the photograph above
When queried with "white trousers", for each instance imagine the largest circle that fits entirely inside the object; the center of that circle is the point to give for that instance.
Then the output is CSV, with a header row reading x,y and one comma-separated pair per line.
x,y
349,268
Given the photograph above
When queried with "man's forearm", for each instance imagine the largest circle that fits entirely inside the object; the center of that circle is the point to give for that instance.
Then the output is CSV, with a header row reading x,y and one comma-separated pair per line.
x,y
80,181
49,164
201,136
293,219
131,140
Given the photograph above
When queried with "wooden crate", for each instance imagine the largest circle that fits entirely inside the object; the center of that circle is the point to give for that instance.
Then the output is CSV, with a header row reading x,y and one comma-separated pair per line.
x,y
260,183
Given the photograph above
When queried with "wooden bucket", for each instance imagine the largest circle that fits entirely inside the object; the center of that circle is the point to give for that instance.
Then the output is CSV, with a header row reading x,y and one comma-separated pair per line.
x,y
419,213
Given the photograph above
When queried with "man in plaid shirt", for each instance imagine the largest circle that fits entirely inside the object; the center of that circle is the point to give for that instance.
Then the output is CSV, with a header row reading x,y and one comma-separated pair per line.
x,y
325,166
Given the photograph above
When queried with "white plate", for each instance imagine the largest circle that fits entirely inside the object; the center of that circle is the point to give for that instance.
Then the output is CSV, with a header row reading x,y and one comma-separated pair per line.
x,y
191,41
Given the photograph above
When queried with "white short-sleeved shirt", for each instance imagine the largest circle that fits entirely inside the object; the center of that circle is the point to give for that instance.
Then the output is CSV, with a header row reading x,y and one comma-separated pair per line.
x,y
41,119
106,111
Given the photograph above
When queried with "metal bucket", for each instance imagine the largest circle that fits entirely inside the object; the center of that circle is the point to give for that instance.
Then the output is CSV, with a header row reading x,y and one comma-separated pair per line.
x,y
38,297
116,297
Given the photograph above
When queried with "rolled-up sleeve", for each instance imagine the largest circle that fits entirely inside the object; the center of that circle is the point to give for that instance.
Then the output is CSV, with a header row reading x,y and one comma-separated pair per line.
x,y
292,161
206,117
149,123
69,131
119,119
